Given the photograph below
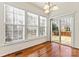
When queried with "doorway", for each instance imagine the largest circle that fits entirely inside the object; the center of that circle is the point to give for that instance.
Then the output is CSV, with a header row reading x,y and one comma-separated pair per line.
x,y
62,29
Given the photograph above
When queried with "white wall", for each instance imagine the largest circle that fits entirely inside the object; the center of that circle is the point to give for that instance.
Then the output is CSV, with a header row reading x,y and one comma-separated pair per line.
x,y
2,27
69,8
6,49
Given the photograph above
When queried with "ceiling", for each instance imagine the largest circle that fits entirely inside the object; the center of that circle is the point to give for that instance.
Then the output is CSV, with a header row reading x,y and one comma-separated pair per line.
x,y
41,4
64,7
59,4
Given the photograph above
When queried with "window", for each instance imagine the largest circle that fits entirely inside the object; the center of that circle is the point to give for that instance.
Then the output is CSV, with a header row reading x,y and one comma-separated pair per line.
x,y
43,23
32,25
14,23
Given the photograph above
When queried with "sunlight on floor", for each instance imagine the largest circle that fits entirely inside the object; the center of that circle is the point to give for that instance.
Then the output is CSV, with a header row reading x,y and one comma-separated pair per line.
x,y
64,39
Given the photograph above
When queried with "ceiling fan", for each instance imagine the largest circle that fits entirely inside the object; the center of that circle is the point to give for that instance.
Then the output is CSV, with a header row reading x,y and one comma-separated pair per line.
x,y
48,7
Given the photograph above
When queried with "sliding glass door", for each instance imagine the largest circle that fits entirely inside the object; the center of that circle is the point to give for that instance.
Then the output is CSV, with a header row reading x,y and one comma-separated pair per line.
x,y
66,30
61,29
55,30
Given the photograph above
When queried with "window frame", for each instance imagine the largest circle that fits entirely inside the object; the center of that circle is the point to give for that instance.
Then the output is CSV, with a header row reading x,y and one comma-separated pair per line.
x,y
37,25
5,18
43,27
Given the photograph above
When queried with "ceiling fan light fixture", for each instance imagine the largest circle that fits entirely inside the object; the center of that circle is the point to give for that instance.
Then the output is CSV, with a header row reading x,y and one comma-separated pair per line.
x,y
50,7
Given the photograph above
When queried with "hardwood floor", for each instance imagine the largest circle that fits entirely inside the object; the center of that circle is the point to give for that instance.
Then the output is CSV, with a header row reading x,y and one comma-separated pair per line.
x,y
47,49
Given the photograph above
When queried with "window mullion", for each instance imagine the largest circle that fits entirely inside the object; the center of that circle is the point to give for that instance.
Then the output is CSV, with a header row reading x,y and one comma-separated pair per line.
x,y
39,26
13,25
